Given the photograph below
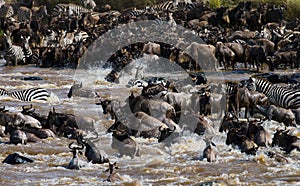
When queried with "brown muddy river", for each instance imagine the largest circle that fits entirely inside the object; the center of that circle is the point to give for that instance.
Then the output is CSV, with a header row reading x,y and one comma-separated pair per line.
x,y
179,164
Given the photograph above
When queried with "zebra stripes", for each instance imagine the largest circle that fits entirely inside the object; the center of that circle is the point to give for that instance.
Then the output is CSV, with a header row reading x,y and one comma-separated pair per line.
x,y
166,6
277,95
30,94
231,88
14,54
187,5
69,10
26,49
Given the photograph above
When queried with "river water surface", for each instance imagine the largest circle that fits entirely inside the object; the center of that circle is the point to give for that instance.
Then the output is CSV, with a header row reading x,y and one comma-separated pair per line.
x,y
179,164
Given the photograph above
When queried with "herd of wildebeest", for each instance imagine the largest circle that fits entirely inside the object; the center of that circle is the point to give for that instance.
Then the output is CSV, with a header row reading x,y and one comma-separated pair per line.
x,y
162,111
248,34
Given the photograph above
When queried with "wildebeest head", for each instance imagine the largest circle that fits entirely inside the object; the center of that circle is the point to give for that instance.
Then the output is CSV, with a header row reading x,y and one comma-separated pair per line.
x,y
104,104
74,88
165,133
283,139
57,120
210,152
27,110
2,110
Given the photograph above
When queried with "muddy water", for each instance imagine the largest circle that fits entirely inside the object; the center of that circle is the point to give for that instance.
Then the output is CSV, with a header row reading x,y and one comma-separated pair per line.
x,y
179,164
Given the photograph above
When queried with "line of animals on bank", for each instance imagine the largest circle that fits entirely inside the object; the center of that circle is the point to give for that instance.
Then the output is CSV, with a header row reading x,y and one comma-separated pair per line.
x,y
247,135
248,33
163,112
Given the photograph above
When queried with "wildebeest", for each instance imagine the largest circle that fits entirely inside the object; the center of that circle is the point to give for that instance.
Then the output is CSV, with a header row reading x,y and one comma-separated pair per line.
x,y
16,135
148,126
210,152
74,163
31,112
124,143
61,122
16,158
155,108
9,118
278,114
241,140
113,175
285,140
76,90
262,137
109,106
225,55
92,153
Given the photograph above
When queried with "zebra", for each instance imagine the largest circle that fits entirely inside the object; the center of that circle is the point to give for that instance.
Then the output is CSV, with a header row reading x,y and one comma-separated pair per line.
x,y
240,41
168,6
66,38
26,49
277,95
136,12
29,94
89,4
69,10
14,54
160,21
186,5
35,58
81,36
49,38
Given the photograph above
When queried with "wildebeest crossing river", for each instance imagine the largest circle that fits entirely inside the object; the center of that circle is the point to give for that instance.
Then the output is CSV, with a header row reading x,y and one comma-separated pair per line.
x,y
179,164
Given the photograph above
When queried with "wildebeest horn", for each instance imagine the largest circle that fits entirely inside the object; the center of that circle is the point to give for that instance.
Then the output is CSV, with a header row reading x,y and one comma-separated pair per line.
x,y
160,128
23,107
70,146
76,147
2,109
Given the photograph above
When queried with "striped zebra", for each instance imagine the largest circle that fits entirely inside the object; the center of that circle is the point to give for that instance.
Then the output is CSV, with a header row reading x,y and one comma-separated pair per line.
x,y
240,41
35,58
136,12
14,54
69,10
66,39
160,21
80,36
277,95
187,5
30,94
168,6
26,49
